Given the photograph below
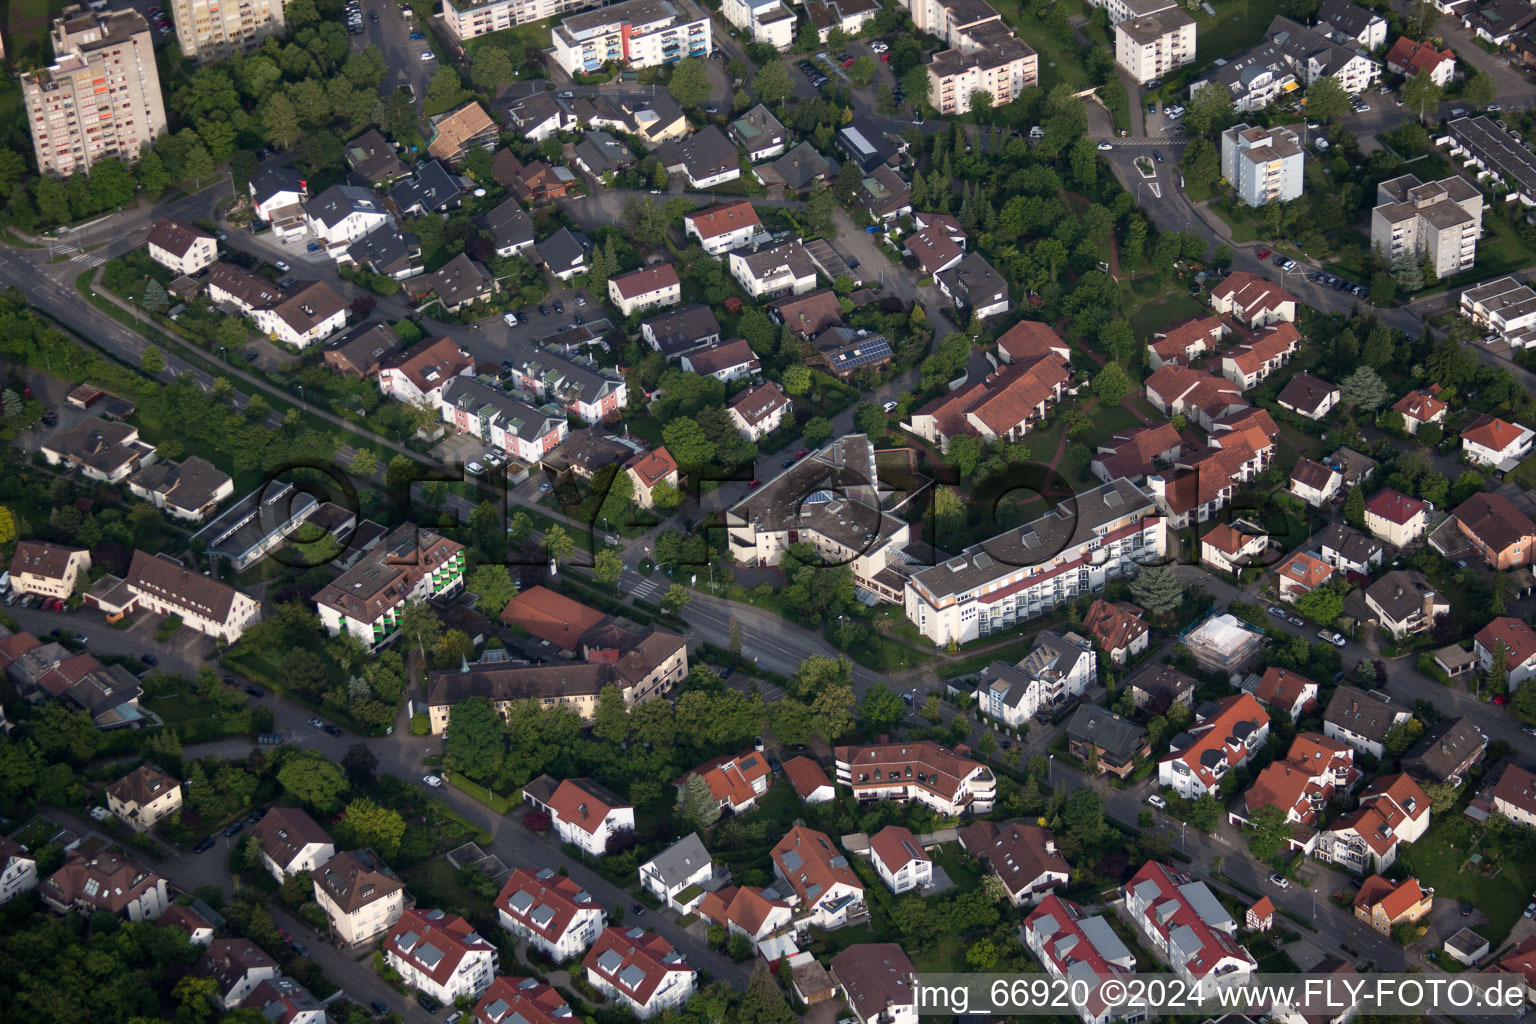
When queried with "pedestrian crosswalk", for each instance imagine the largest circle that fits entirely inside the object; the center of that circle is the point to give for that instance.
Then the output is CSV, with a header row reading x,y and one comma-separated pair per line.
x,y
79,256
647,588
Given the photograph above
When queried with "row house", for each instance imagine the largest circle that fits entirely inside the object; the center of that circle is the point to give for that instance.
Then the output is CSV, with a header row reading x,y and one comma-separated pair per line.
x,y
1006,404
1072,947
1201,397
418,374
1185,341
369,599
521,1000
1134,454
584,390
1250,365
1187,925
1253,301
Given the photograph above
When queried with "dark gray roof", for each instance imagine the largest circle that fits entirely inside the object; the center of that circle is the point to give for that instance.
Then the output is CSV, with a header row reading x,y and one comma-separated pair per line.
x,y
682,329
1118,737
705,153
680,860
1445,749
373,159
386,250
1349,542
338,202
269,181
973,282
599,152
561,251
801,166
1349,18
510,225
1358,712
365,344
432,189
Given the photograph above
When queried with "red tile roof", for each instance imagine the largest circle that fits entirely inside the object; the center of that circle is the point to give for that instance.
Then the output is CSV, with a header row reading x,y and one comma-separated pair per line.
x,y
1306,570
1186,339
645,280
723,219
651,954
1273,343
551,616
1493,433
653,466
731,777
421,933
553,901
584,804
1251,293
1003,400
1030,339
1517,786
1421,405
1114,625
1172,909
806,776
1234,718
1394,506
1395,899
1413,58
821,865
1282,688
744,906
513,999
896,846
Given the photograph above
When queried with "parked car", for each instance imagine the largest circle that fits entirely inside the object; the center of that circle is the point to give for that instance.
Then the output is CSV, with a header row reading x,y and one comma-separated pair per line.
x,y
373,16
559,306
429,55
1105,147
379,1007
282,265
204,846
1295,620
1263,254
435,781
1157,155
417,35
1501,699
1276,611
331,730
314,247
473,468
1331,637
889,407
427,1002
256,815
149,659
510,319
1281,881
234,829
256,691
299,948
1157,801
543,311
318,723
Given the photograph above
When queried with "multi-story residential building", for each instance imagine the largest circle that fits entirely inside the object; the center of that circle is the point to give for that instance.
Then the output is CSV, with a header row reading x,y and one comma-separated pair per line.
x,y
1250,364
412,564
309,314
388,252
1312,773
241,290
900,860
646,288
1405,603
1446,752
213,30
466,19
1118,628
938,244
1506,306
1187,926
1385,904
1518,641
760,133
849,15
1437,220
236,967
278,195
89,883
725,227
734,780
18,870
48,570
878,982
934,776
987,58
763,21
1291,55
1099,737
636,33
683,867
101,96
1393,811
1264,165
501,420
1362,719
418,374
637,968
1026,572
1057,669
1023,856
1154,45
1224,736
1514,795
163,586
521,1001
827,893
555,914
291,841
1253,301
759,410
285,1001
1349,24
1410,58
1503,535
579,386
775,269
342,214
1073,946
440,954
360,896
581,812
144,797
1005,404
1394,517
180,247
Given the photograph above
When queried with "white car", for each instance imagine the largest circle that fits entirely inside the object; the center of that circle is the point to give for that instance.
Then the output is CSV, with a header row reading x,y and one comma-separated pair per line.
x,y
510,319
1333,638
889,407
474,468
1157,801
1281,881
1174,111
435,781
429,55
282,265
1105,146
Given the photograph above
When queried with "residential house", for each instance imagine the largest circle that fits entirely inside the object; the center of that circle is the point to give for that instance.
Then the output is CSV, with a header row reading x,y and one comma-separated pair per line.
x,y
1098,736
539,115
1300,574
653,116
1023,856
1362,719
827,893
1185,341
1519,643
1514,795
342,214
706,158
368,600
278,195
562,255
723,228
1264,165
47,570
388,252
552,617
759,410
582,812
456,132
809,780
1231,548
532,184
1405,603
309,314
417,375
1308,396
103,451
291,841
1118,628
18,870
1410,58
1421,406
900,860
734,781
1251,364
753,912
180,247
1394,517
105,882
938,244
678,874
648,471
1315,483
163,586
1199,396
432,189
1313,772
600,154
1260,916
1252,301
878,982
578,386
1137,453
636,968
759,133
807,315
144,797
1349,24
360,351
799,169
1073,946
360,896
501,420
517,1000
373,160
1384,905
681,330
1187,926
773,269
974,287
458,283
1057,669
869,144
1490,441
733,360
1287,691
1160,687
849,15
646,288
511,228
934,776
236,967
552,912
1224,735
441,955
1348,550
1446,752
1005,404
198,929
240,289
1393,810
285,1001
769,22
884,195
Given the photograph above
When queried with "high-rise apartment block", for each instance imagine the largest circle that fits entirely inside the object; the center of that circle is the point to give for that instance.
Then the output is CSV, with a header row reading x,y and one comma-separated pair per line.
x,y
636,34
214,29
1440,220
100,98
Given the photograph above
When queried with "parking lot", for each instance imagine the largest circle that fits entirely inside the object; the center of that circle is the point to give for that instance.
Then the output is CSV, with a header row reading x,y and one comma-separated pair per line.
x,y
400,39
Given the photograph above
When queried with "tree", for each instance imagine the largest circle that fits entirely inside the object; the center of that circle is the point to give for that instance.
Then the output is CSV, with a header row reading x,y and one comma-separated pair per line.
x,y
797,379
314,779
675,598
1210,110
818,431
444,92
1157,589
1402,736
377,828
820,209
359,764
1322,605
1420,93
1354,508
1383,287
772,85
492,68
494,586
475,742
608,567
1479,89
881,710
696,803
558,544
1201,162
152,361
521,529
364,462
1421,20
1111,385
1267,831
690,84
916,84
1222,258
199,164
1364,389
1327,100
420,626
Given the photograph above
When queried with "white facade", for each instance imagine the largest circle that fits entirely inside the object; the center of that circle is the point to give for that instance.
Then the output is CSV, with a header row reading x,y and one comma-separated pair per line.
x,y
363,216
210,30
203,251
552,912
269,322
1518,448
500,420
764,21
684,864
1154,45
19,872
665,293
903,871
468,19
1263,165
785,269
441,956
637,33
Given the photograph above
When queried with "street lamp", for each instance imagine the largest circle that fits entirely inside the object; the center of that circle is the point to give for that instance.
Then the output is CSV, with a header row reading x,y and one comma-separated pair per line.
x,y
1050,771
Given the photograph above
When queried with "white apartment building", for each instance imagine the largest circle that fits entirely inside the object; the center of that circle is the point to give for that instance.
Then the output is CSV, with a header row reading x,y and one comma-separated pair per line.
x,y
1504,305
640,970
292,841
1188,927
1025,572
18,870
162,586
782,269
1439,219
921,770
988,58
307,316
636,33
411,564
215,29
1071,945
684,865
101,96
764,21
720,229
441,954
1225,739
554,913
1129,10
48,570
360,896
1153,45
500,420
1057,669
342,214
466,19
646,288
1264,165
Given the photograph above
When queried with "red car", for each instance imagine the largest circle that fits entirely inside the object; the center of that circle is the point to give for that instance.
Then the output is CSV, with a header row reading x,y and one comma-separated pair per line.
x,y
848,63
802,453
885,58
1264,254
1502,698
752,484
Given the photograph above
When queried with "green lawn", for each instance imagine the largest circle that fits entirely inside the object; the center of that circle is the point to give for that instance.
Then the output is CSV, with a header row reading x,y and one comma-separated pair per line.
x,y
1059,61
1153,314
1439,860
37,833
434,884
1238,24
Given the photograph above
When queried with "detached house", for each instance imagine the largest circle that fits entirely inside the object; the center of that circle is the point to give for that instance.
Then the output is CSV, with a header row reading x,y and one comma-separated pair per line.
x,y
733,360
1118,628
555,914
278,195
646,288
418,374
1230,549
562,255
677,875
1057,669
162,586
103,451
753,912
639,970
305,316
105,882
681,330
144,797
1315,483
1446,752
900,860
773,269
1225,735
1394,517
1312,773
1361,720
1384,904
291,841
1514,795
878,982
236,966
938,244
1501,533
974,287
759,133
441,955
342,214
458,283
1410,58
723,228
1490,441
360,896
735,781
707,158
1420,407
1308,397
648,471
581,812
18,870
1518,640
180,247
1096,735
1252,301
48,570
1404,603
759,410
1023,856
828,894
1287,691
1347,549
